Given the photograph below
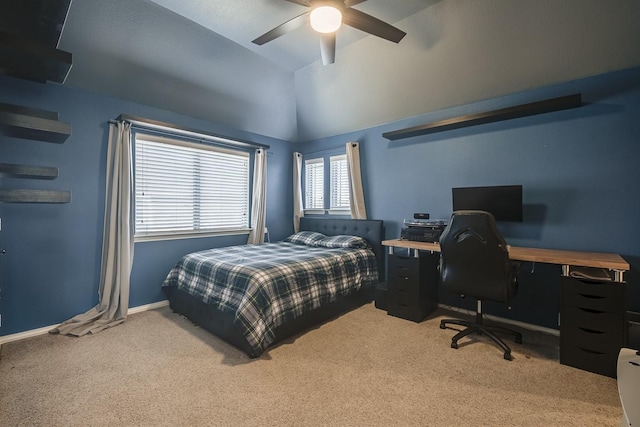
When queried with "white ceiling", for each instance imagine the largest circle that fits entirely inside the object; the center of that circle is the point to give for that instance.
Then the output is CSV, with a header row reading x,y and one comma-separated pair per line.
x,y
244,20
195,57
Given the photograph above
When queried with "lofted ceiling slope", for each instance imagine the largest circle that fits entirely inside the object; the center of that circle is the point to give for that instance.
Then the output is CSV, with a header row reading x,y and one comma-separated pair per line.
x,y
195,57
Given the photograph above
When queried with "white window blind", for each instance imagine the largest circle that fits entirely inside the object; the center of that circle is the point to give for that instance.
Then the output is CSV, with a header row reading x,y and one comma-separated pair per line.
x,y
339,178
183,187
314,184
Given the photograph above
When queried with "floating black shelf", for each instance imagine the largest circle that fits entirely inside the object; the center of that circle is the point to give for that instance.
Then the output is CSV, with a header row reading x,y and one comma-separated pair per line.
x,y
540,107
27,171
32,123
32,60
34,196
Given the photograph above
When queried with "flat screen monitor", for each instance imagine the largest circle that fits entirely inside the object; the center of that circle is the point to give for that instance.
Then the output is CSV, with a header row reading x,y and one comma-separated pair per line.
x,y
503,201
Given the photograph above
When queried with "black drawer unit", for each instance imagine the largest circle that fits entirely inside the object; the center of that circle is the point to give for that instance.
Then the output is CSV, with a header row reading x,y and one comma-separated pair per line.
x,y
593,324
412,286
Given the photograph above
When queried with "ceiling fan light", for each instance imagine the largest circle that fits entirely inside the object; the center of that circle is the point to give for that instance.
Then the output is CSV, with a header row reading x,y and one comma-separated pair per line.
x,y
325,19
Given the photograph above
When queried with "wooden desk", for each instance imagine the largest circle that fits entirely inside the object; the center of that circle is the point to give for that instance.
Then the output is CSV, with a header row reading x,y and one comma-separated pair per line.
x,y
567,259
592,316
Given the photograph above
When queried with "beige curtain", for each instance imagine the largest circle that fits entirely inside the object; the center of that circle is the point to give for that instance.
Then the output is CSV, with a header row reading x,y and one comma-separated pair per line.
x,y
258,204
356,193
298,207
117,244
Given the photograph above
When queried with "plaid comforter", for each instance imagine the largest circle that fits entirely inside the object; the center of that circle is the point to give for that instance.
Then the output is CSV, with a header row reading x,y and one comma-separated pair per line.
x,y
267,285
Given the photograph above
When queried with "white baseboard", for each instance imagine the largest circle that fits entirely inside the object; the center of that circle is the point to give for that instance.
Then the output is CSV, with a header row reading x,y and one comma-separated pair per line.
x,y
523,325
141,308
46,329
146,307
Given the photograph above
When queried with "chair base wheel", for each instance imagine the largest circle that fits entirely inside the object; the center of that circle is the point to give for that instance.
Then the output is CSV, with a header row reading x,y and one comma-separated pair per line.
x,y
480,329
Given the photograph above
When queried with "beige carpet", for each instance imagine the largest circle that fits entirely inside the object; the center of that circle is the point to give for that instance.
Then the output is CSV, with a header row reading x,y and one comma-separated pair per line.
x,y
362,369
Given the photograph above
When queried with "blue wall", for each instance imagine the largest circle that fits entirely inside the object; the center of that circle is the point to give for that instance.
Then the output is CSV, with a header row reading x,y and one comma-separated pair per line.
x,y
580,170
52,266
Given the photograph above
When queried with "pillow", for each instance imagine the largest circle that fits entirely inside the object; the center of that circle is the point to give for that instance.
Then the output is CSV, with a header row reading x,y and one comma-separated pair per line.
x,y
343,241
309,238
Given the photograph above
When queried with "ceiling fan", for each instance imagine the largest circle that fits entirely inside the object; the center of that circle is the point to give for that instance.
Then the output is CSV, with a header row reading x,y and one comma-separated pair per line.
x,y
325,17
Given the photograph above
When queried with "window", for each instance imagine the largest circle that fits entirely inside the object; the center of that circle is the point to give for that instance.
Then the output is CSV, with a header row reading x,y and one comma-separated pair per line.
x,y
339,183
316,182
186,188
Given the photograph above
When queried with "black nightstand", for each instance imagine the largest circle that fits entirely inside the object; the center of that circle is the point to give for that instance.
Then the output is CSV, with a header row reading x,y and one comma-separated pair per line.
x,y
412,285
593,324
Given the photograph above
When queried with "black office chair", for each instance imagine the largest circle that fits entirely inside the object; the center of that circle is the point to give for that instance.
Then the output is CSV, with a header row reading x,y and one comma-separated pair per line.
x,y
474,262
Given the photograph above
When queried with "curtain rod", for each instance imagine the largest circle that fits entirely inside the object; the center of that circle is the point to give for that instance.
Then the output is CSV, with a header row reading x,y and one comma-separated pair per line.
x,y
328,151
177,130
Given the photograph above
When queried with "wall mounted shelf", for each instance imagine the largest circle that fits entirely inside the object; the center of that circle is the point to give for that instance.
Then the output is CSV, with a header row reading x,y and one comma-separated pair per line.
x,y
27,171
29,36
34,196
32,123
32,60
524,110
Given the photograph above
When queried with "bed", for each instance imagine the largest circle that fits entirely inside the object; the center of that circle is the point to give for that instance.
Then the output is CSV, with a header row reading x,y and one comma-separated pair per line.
x,y
255,296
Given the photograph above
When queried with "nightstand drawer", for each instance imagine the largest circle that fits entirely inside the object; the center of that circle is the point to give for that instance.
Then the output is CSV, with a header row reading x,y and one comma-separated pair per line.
x,y
405,284
591,319
606,296
407,297
603,363
403,262
403,277
592,340
403,269
402,309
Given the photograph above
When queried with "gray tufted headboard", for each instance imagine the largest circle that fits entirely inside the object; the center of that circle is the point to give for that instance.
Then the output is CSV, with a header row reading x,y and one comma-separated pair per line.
x,y
371,230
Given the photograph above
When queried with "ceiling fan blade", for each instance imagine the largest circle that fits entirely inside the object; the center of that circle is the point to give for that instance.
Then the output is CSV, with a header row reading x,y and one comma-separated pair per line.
x,y
350,3
282,29
367,23
328,48
301,2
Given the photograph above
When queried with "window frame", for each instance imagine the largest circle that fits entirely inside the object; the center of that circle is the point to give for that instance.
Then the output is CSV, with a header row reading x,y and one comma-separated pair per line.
x,y
340,210
326,158
198,145
306,197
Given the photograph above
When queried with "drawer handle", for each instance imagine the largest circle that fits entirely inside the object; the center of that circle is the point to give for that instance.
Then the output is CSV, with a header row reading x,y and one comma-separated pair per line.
x,y
403,277
591,296
591,331
590,351
588,310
